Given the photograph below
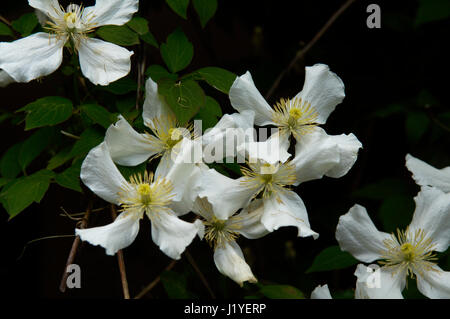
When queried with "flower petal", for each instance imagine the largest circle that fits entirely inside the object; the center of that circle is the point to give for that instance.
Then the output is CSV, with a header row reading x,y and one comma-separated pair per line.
x,y
249,219
318,154
103,62
287,209
99,173
272,150
321,292
128,147
378,283
111,12
119,234
172,234
323,89
32,57
155,105
434,284
5,79
432,215
245,96
357,234
426,175
50,8
230,262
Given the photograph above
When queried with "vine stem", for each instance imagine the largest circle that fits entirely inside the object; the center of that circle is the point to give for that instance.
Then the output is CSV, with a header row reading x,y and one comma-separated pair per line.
x,y
200,274
300,54
121,262
73,251
151,285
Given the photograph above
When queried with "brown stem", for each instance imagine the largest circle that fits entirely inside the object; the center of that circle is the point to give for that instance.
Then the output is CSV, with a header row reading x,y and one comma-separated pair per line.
x,y
4,20
300,54
155,281
200,274
73,251
121,262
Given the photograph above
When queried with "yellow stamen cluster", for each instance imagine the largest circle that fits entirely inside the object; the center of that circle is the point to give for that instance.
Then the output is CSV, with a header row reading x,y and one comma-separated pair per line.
x,y
219,232
296,117
143,195
409,251
268,178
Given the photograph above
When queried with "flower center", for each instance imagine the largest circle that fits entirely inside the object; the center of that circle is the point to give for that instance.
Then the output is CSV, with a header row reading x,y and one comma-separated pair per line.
x,y
296,117
409,251
218,232
175,135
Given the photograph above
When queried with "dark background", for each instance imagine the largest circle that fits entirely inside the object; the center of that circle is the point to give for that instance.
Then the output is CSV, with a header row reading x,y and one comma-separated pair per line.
x,y
391,75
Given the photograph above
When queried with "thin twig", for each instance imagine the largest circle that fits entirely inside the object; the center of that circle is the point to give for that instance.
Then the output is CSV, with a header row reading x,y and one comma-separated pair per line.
x,y
141,76
69,135
4,20
300,54
121,262
71,216
436,120
200,274
154,282
73,251
39,239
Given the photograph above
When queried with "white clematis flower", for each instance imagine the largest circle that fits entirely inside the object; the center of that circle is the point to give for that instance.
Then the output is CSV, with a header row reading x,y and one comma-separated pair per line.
x,y
426,175
147,194
410,252
41,53
221,234
321,292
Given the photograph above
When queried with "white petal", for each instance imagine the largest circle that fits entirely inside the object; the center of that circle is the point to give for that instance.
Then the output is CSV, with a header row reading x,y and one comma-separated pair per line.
x,y
32,57
318,154
432,215
5,79
378,283
321,292
128,147
245,96
119,234
272,150
226,195
103,62
434,284
99,173
323,89
357,234
426,175
249,220
154,104
50,8
230,262
287,209
111,12
172,234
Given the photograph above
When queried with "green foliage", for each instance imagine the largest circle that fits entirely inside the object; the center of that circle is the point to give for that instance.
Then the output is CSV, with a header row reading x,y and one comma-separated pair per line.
x,y
24,191
98,114
157,72
60,158
332,258
34,146
120,35
281,292
49,110
175,285
185,98
9,164
140,26
5,30
179,6
177,52
88,140
205,10
396,212
209,113
70,178
416,125
122,86
25,24
218,78
432,10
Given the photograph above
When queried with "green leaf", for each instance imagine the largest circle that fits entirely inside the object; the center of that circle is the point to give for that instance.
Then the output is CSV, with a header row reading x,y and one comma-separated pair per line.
x,y
432,10
157,72
382,189
175,285
209,113
120,35
332,258
9,164
185,98
121,86
138,25
4,181
25,24
128,171
70,178
396,212
34,146
281,292
218,78
149,38
60,158
49,110
177,52
416,125
88,140
179,6
205,10
5,30
25,191
98,114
